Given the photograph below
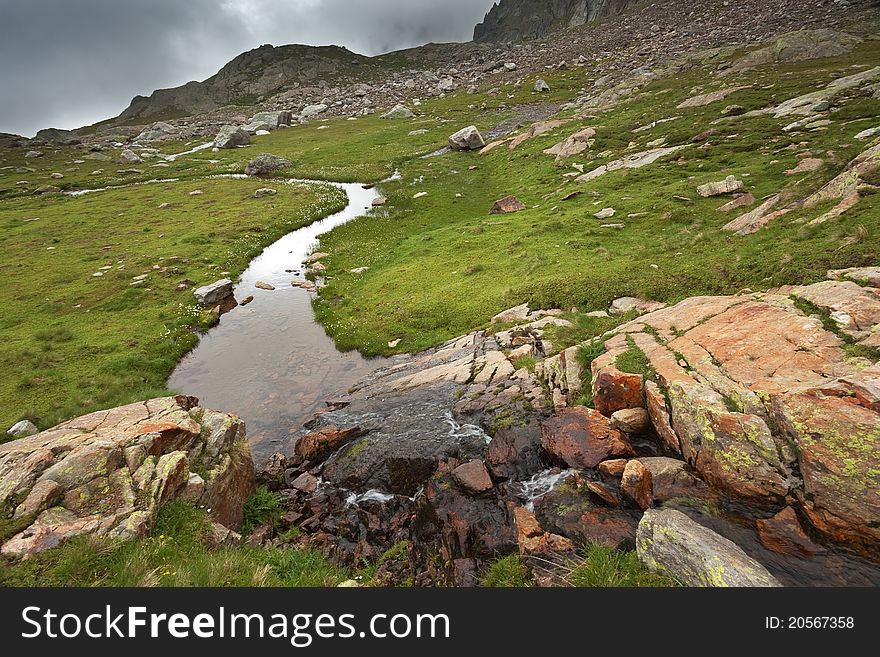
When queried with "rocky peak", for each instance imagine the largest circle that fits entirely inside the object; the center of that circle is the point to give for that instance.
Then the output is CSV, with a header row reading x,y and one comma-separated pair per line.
x,y
514,20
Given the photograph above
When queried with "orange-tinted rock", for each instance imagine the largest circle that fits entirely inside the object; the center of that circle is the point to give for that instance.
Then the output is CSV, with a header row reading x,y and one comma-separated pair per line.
x,y
613,468
637,485
582,437
838,443
783,533
614,390
602,492
319,445
659,414
473,476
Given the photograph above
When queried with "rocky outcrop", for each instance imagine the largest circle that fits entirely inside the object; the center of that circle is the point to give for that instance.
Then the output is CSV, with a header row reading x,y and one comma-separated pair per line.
x,y
108,473
764,401
669,542
515,20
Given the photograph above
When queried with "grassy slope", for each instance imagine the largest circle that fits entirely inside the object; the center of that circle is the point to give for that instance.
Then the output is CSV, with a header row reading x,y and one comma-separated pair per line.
x,y
440,266
71,342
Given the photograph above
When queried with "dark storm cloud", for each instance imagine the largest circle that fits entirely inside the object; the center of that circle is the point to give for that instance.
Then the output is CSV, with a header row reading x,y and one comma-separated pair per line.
x,y
68,63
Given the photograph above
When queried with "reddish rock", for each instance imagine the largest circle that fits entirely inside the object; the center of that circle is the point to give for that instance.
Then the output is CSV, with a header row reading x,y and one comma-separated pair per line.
x,y
43,495
582,438
507,205
533,540
473,476
614,390
317,446
602,492
613,468
260,536
305,483
605,527
783,533
637,484
465,573
660,420
739,202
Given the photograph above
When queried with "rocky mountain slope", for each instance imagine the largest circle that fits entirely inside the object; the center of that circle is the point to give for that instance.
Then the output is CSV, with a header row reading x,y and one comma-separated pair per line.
x,y
514,20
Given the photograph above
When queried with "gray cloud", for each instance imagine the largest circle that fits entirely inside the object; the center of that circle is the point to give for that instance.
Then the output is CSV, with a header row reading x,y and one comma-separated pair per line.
x,y
68,63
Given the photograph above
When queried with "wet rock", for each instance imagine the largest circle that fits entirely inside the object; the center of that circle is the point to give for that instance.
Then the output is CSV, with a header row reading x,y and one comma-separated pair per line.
x,y
568,511
637,484
634,421
534,541
507,205
467,139
317,446
262,285
582,438
473,476
266,164
669,542
215,293
783,534
515,453
231,136
729,185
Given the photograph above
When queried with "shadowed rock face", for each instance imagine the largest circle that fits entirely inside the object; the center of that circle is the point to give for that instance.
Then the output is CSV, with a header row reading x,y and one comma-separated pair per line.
x,y
108,473
514,20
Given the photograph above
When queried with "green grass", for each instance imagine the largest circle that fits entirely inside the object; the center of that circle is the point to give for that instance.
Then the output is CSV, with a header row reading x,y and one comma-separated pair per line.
x,y
634,361
263,507
507,572
598,567
604,567
175,555
71,343
440,265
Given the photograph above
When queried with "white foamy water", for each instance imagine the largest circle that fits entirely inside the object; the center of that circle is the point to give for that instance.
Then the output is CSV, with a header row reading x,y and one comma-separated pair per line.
x,y
541,484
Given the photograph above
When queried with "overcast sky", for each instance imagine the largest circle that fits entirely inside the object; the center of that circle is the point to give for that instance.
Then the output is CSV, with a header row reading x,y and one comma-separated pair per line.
x,y
70,63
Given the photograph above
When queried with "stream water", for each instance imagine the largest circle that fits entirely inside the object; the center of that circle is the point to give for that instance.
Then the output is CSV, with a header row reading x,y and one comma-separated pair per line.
x,y
270,362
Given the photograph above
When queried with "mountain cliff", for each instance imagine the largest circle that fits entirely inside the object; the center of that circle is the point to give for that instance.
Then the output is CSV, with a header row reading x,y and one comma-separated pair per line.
x,y
514,20
253,74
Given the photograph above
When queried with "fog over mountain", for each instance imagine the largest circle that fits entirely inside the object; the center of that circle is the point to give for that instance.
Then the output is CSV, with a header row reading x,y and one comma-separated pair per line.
x,y
67,64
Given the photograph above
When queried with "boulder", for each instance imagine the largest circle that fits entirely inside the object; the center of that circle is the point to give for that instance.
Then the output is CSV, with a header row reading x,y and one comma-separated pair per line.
x,y
634,421
231,136
582,437
215,293
467,139
783,534
129,157
515,452
573,145
636,483
266,164
669,542
263,192
318,445
614,390
671,478
541,86
22,429
473,476
398,112
507,205
108,473
624,305
727,186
